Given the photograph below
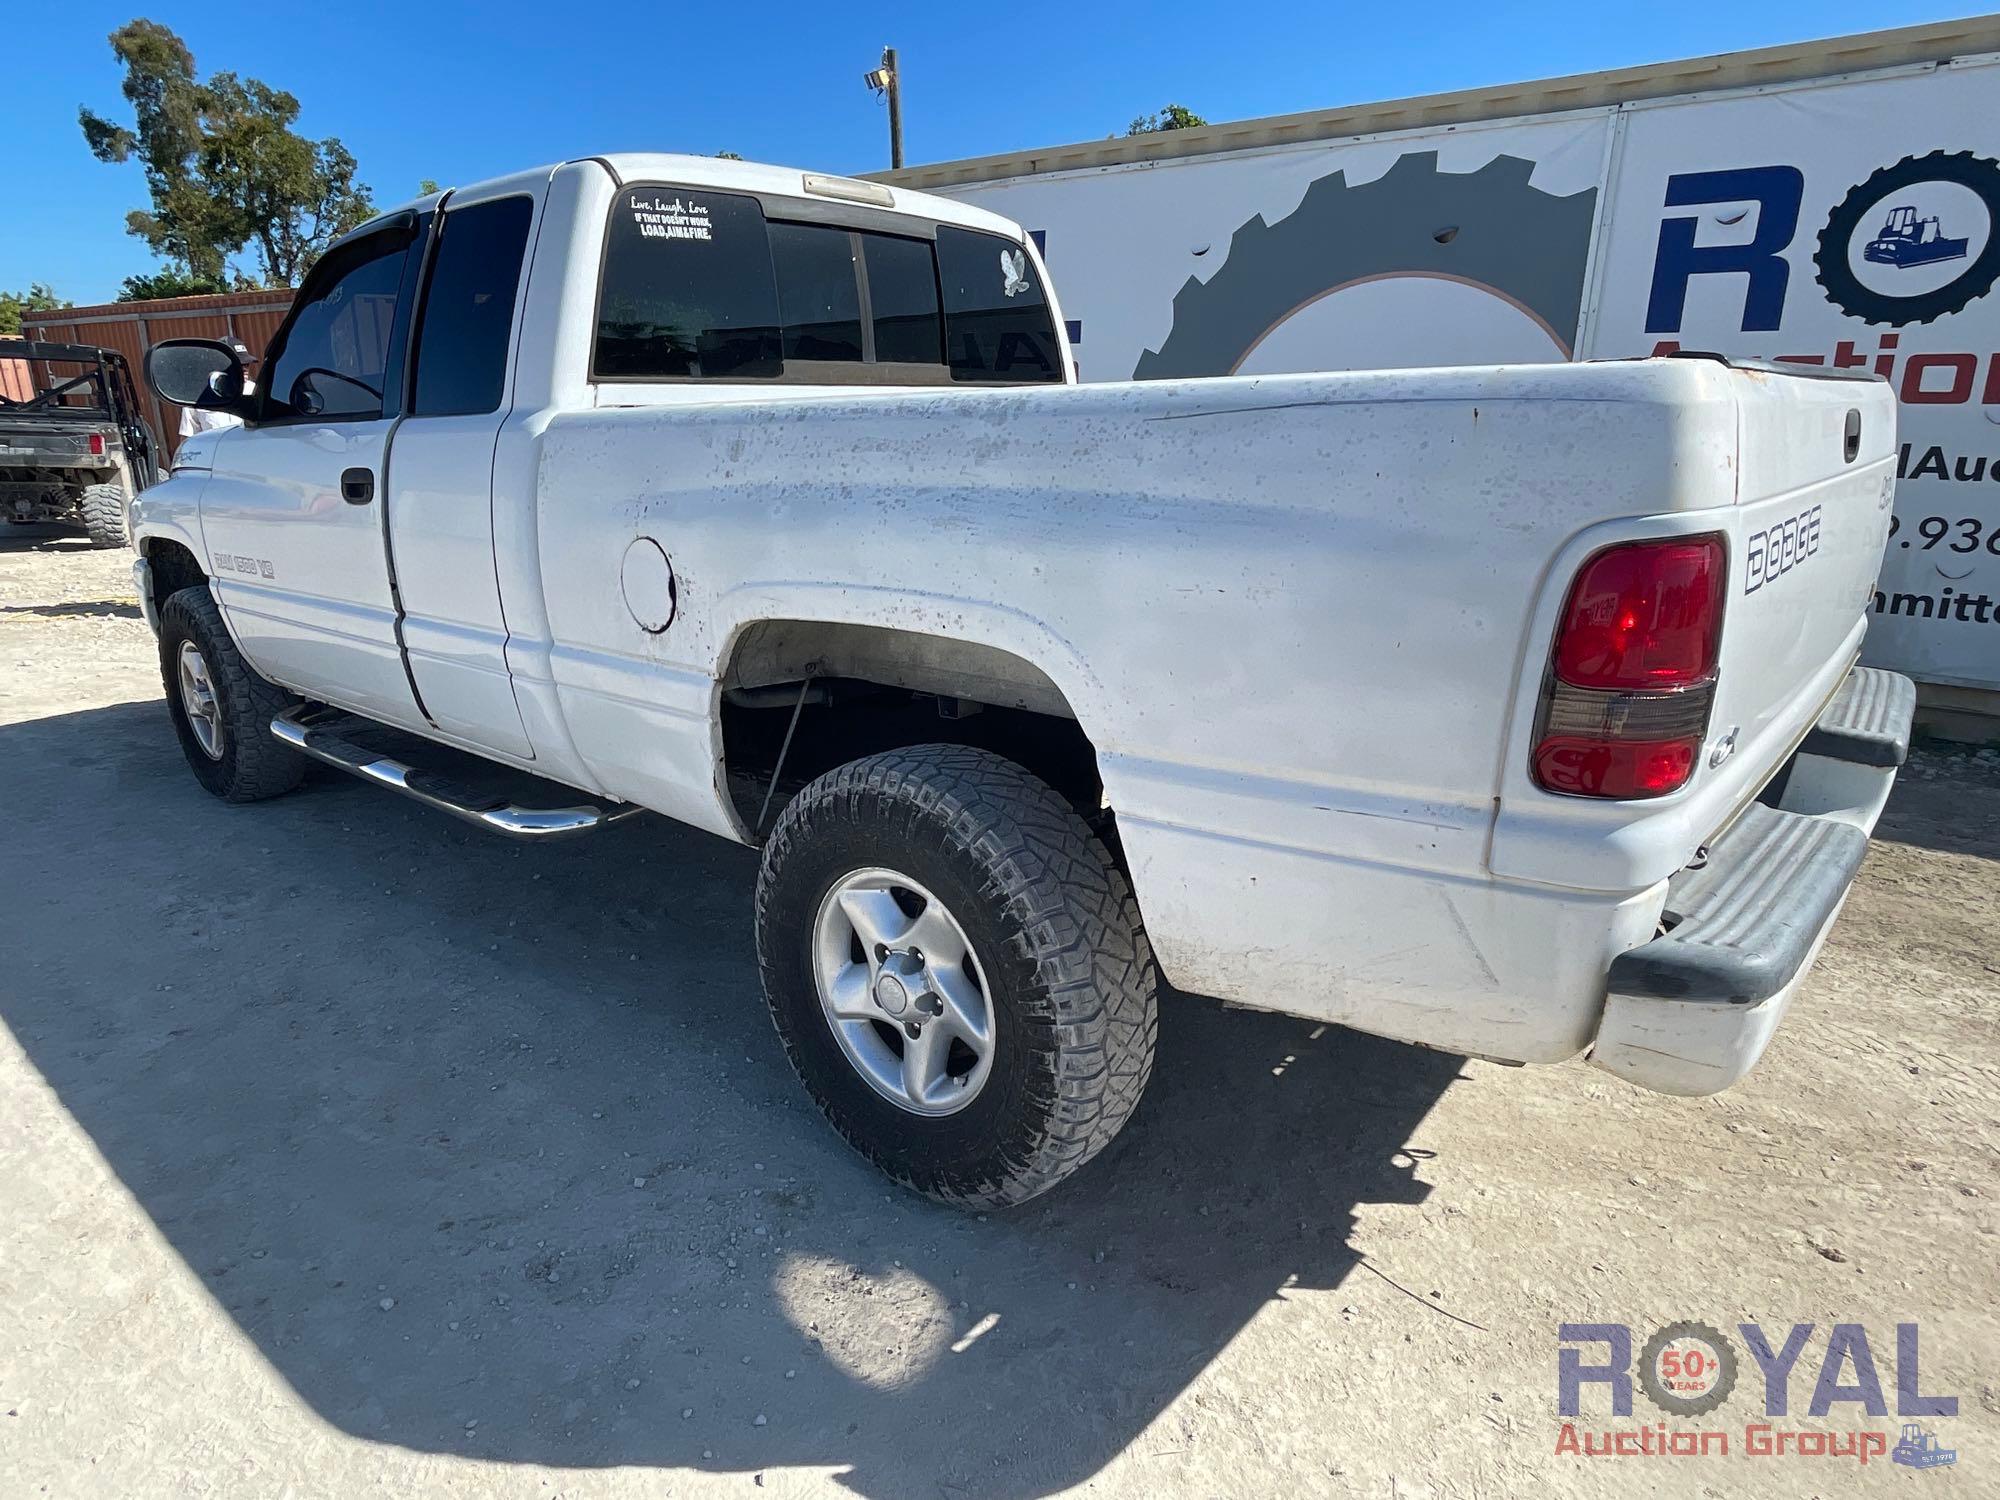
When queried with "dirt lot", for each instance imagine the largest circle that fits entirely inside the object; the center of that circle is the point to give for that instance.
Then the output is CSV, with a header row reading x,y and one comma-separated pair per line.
x,y
348,1152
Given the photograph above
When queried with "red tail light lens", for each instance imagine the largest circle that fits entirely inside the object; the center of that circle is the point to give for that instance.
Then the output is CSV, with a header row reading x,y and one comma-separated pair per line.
x,y
1614,768
97,445
1632,670
1644,616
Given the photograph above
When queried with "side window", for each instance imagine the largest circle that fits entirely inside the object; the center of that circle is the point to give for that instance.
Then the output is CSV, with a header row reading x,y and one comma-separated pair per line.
x,y
903,300
997,324
335,358
468,309
688,288
819,298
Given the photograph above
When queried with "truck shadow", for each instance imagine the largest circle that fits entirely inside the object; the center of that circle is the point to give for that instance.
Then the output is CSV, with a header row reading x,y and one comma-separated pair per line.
x,y
43,536
93,609
491,1150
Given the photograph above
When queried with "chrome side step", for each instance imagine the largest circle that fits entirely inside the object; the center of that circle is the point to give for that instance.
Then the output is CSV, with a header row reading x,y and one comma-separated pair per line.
x,y
316,732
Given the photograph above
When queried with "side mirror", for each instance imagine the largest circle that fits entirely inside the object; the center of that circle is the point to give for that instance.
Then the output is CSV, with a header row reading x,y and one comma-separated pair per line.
x,y
198,372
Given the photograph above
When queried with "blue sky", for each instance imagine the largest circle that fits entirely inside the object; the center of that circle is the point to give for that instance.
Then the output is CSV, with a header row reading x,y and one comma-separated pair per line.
x,y
459,92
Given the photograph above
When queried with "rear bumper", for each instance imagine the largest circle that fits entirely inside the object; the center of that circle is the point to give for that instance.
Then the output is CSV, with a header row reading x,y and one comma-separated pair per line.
x,y
1691,1011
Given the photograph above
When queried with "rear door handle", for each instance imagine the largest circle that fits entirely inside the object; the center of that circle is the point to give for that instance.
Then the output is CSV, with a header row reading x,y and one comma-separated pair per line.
x,y
357,486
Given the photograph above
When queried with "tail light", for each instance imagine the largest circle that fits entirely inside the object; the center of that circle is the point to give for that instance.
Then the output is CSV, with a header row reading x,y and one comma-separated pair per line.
x,y
97,445
1632,673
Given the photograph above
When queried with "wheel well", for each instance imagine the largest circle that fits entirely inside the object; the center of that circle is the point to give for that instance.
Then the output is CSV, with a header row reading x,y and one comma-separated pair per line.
x,y
173,567
866,689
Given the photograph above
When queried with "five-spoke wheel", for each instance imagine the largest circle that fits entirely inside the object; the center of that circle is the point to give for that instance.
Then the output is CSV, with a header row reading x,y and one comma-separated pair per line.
x,y
204,714
903,991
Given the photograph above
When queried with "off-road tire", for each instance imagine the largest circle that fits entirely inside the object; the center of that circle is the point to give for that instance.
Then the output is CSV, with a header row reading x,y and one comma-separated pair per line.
x,y
254,765
103,507
1068,969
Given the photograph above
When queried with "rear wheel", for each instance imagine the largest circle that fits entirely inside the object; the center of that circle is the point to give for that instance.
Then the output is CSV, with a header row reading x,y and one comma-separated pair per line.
x,y
957,970
222,710
103,507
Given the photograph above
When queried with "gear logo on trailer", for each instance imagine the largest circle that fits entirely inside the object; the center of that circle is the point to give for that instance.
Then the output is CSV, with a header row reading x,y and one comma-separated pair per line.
x,y
1490,230
1915,241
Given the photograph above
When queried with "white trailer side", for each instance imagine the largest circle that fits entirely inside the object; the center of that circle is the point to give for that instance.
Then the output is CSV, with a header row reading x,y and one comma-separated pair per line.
x,y
1833,202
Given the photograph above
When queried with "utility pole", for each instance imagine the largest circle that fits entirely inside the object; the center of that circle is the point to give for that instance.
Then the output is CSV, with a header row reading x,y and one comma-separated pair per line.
x,y
888,79
895,107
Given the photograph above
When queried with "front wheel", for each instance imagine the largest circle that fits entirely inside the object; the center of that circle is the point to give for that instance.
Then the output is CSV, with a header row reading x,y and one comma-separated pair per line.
x,y
957,970
221,709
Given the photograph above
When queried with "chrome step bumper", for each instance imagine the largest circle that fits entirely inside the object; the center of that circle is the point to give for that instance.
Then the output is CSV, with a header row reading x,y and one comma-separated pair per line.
x,y
316,732
1691,1011
1868,721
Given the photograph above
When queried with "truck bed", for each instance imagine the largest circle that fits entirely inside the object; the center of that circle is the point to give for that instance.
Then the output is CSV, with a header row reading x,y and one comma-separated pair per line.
x,y
1303,619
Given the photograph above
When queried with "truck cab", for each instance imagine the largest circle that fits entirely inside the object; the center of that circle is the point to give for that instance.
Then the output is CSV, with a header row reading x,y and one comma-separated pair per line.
x,y
428,324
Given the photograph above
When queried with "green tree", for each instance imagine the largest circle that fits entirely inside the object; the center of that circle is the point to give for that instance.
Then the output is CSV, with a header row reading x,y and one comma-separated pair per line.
x,y
292,197
39,297
170,281
1173,117
428,186
224,167
186,226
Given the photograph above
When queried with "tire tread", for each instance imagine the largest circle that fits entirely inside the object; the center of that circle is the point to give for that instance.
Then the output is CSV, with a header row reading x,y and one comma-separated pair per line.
x,y
258,765
103,507
1073,906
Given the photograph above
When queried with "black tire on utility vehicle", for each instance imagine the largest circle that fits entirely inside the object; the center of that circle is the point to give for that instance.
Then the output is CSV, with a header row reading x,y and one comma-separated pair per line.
x,y
222,710
103,507
957,970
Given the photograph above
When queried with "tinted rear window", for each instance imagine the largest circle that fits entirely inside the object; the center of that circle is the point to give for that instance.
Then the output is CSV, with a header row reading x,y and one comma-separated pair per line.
x,y
469,309
698,285
903,296
997,324
819,297
688,288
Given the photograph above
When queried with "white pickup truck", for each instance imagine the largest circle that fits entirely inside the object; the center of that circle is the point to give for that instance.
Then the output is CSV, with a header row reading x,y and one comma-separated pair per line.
x,y
1512,711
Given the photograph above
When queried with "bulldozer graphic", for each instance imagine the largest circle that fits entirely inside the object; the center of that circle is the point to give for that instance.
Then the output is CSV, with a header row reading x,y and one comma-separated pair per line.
x,y
1904,240
1908,238
1918,1449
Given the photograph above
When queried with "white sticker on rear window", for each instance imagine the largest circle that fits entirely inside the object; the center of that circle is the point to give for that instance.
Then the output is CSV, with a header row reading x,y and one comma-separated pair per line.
x,y
670,216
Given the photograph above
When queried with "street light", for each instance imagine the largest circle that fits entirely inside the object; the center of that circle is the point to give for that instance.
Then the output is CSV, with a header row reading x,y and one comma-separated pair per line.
x,y
888,79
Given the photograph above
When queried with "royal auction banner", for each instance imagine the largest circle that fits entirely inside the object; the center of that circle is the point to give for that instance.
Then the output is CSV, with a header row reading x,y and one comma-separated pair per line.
x,y
1833,222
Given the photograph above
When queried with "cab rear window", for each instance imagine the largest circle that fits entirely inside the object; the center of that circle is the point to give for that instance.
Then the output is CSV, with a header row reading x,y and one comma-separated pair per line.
x,y
996,314
688,291
708,286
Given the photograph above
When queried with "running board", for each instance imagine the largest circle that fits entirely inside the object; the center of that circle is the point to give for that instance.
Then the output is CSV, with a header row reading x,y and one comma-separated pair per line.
x,y
316,732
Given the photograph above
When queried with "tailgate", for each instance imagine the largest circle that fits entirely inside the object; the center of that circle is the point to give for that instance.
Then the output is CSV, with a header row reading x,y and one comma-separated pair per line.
x,y
53,446
1815,484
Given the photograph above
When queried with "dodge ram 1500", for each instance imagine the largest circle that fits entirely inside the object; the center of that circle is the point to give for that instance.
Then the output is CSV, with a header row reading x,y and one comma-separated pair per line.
x,y
1513,711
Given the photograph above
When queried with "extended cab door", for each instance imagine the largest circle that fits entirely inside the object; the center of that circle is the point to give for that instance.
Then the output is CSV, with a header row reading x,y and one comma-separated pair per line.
x,y
291,515
440,480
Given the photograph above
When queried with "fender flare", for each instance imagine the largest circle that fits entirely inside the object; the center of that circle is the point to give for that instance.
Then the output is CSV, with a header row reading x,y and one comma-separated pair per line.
x,y
996,627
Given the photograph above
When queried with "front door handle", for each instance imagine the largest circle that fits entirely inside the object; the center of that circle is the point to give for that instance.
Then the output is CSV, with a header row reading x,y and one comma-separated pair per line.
x,y
357,486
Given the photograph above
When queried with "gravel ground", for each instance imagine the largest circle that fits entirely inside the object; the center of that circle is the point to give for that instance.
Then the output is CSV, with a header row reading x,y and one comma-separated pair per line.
x,y
348,1152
